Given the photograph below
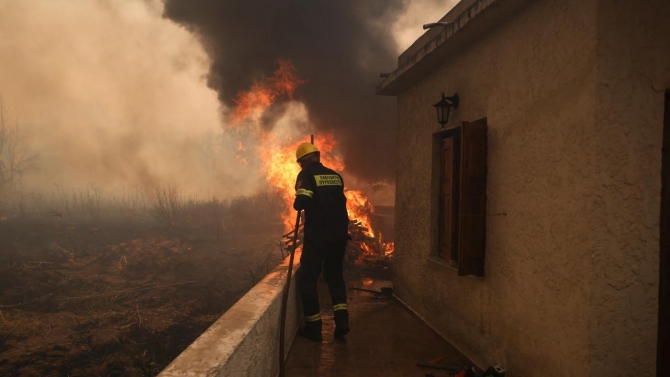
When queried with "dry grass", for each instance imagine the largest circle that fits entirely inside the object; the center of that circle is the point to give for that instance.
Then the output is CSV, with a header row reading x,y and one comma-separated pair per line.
x,y
116,284
120,266
167,206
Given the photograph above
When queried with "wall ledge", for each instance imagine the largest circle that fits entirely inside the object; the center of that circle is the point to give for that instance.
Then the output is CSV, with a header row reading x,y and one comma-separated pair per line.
x,y
245,340
476,19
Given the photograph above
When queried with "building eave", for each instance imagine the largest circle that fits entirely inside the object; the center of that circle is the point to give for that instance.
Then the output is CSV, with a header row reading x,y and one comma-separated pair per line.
x,y
469,20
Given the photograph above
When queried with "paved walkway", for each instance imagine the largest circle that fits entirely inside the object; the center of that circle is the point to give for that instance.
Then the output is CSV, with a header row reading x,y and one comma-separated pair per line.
x,y
385,340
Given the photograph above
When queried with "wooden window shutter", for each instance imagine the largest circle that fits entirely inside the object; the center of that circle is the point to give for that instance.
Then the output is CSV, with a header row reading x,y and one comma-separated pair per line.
x,y
447,213
472,201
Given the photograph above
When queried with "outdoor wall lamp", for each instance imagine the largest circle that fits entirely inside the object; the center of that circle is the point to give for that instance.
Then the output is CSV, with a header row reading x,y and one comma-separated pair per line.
x,y
433,24
443,107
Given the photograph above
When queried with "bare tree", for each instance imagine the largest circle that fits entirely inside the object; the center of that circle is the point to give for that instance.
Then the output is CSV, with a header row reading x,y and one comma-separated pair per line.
x,y
15,158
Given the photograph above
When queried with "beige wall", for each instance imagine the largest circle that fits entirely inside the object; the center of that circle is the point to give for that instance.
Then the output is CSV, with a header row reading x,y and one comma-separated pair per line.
x,y
571,271
244,342
633,72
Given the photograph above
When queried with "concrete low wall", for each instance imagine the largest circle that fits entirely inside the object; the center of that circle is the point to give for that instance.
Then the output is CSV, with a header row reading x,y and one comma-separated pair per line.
x,y
245,340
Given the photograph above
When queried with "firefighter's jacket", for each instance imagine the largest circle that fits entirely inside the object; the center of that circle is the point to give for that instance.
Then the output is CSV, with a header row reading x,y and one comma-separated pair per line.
x,y
320,193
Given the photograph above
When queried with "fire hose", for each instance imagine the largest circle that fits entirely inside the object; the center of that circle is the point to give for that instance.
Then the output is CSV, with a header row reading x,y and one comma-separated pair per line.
x,y
284,301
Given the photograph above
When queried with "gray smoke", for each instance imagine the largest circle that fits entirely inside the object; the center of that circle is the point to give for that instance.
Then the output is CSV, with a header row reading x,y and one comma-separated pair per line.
x,y
112,95
338,47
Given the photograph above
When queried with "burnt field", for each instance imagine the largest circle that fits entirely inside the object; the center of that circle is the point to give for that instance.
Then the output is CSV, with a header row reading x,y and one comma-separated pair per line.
x,y
90,291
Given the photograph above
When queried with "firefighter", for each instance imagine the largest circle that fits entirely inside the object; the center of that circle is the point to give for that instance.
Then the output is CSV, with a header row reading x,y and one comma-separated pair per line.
x,y
320,193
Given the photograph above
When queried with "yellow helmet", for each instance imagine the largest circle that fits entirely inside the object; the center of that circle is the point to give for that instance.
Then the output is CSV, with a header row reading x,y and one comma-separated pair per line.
x,y
304,149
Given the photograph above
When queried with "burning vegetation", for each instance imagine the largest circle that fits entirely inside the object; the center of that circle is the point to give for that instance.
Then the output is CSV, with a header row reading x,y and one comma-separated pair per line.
x,y
135,208
115,283
278,163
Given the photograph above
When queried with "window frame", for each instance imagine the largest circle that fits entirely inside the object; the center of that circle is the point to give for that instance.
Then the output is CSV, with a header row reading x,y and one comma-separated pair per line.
x,y
468,193
452,256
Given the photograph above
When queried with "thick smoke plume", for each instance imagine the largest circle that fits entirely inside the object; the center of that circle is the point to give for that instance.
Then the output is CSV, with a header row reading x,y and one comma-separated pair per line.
x,y
117,94
338,48
111,94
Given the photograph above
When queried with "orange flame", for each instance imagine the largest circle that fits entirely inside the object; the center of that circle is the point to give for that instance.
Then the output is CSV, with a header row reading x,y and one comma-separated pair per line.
x,y
388,248
278,155
360,208
281,168
252,103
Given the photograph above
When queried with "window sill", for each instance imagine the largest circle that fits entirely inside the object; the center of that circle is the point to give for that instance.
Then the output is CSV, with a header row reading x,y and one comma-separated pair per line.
x,y
443,263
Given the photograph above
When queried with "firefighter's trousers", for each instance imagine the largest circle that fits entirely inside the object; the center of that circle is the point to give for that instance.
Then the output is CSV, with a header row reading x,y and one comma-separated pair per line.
x,y
315,255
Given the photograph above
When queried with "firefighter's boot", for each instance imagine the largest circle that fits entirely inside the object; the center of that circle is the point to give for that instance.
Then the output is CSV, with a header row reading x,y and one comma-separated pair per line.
x,y
341,322
312,331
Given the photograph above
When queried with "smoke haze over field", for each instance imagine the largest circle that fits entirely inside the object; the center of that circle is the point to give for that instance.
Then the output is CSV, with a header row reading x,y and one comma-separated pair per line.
x,y
111,94
137,93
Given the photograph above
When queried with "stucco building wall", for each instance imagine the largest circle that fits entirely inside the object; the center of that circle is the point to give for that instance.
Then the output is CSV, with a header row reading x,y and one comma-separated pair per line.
x,y
571,272
534,79
633,73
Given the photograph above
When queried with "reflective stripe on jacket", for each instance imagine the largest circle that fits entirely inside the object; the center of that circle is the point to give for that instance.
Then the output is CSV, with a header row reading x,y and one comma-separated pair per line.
x,y
320,193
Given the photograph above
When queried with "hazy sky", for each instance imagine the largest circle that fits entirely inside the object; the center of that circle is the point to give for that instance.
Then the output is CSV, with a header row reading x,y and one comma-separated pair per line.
x,y
408,27
112,94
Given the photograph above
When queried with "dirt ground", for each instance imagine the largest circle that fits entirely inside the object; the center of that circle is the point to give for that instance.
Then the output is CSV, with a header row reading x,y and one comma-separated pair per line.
x,y
121,298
